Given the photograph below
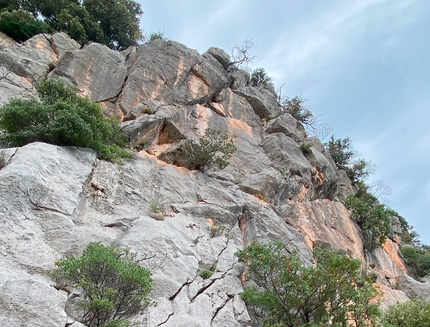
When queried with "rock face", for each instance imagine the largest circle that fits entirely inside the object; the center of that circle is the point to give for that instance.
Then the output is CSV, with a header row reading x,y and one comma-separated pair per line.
x,y
55,200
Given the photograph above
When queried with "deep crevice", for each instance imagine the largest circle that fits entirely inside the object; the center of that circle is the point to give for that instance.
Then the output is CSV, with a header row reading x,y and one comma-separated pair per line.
x,y
167,319
221,307
204,288
188,282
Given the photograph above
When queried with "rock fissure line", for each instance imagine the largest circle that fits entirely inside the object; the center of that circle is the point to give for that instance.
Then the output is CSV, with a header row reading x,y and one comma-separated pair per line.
x,y
204,288
167,319
217,310
188,282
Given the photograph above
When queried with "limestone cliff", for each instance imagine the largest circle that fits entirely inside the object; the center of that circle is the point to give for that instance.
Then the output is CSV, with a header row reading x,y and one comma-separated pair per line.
x,y
55,200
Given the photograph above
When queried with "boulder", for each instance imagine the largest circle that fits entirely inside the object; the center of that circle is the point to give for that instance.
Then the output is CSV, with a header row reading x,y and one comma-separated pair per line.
x,y
6,41
170,73
414,289
288,159
96,70
220,55
262,101
33,59
14,86
287,125
239,78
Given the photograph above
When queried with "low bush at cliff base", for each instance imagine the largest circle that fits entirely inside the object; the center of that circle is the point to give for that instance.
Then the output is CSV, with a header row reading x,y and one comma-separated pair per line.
x,y
114,285
61,117
414,313
332,292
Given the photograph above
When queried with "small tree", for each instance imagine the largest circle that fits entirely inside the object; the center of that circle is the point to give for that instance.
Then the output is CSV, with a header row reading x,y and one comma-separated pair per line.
x,y
241,54
213,149
114,285
62,117
418,260
370,215
259,77
296,108
333,292
343,156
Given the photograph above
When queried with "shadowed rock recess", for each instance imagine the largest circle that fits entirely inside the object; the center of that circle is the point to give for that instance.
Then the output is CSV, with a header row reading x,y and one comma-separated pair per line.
x,y
55,200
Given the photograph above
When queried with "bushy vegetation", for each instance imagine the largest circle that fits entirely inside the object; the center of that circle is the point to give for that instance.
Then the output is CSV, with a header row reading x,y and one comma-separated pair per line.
x,y
62,117
414,313
417,259
296,107
114,285
21,25
213,149
306,148
259,78
156,36
344,157
112,22
332,292
372,216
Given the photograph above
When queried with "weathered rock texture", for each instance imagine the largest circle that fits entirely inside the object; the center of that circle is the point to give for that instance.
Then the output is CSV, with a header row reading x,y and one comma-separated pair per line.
x,y
55,200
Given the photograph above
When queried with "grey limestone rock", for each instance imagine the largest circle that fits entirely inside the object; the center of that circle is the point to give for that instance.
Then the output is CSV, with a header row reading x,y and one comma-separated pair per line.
x,y
171,73
33,59
220,55
96,70
262,100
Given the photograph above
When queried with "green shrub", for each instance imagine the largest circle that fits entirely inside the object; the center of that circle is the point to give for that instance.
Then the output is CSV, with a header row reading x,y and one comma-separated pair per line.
x,y
371,216
333,292
417,260
114,285
21,25
296,108
343,156
216,231
213,149
414,313
306,148
206,273
156,36
259,77
62,117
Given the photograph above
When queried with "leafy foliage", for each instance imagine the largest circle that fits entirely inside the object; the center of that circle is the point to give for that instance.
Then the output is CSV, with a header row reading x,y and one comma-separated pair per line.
x,y
417,259
213,149
332,292
414,313
259,77
296,108
62,117
306,148
370,215
114,285
119,21
156,36
343,156
21,25
112,22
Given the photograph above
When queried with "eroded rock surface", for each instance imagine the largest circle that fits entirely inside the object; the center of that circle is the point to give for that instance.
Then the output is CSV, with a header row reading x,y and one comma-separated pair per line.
x,y
55,200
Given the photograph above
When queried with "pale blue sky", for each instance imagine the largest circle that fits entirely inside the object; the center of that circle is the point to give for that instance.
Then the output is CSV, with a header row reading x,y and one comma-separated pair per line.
x,y
362,65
